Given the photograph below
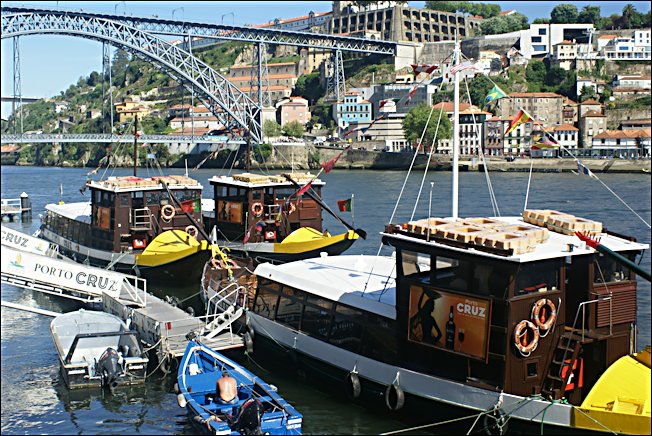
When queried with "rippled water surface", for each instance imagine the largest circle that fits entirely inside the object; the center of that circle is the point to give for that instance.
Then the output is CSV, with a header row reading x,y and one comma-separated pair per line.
x,y
34,399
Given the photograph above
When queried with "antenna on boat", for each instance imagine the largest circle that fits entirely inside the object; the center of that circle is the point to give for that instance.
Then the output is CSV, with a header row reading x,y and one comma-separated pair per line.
x,y
135,143
456,128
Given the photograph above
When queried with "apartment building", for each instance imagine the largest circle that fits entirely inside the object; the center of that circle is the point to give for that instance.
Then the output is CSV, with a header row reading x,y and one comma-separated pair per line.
x,y
635,47
622,143
567,136
304,22
281,77
564,55
293,109
546,107
592,123
632,82
471,120
352,110
515,143
394,21
540,40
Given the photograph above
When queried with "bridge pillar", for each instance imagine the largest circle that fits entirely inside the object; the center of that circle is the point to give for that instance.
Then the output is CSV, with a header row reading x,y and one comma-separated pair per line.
x,y
336,86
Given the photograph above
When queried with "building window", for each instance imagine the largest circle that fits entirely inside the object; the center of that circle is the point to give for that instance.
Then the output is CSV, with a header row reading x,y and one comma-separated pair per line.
x,y
542,31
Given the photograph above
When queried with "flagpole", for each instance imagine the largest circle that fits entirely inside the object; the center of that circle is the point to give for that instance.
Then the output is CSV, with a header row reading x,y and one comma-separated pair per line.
x,y
456,127
352,212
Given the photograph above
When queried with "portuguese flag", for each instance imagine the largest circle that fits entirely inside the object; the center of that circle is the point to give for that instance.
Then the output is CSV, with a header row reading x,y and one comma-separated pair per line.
x,y
344,205
191,206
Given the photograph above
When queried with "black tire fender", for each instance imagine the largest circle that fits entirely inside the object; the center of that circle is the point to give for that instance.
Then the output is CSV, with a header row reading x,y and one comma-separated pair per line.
x,y
248,343
394,397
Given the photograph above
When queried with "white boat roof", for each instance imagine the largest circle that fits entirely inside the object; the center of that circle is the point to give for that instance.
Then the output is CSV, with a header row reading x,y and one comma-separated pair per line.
x,y
70,324
555,246
131,183
263,181
75,211
361,281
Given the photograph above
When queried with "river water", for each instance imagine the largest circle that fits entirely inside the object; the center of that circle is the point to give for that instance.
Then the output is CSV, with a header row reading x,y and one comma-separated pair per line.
x,y
35,400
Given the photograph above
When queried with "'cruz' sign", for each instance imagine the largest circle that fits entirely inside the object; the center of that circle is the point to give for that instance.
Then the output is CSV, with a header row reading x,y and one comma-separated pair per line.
x,y
20,241
63,274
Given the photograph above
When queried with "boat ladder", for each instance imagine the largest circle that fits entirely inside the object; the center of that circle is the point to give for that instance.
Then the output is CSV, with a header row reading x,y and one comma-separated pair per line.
x,y
223,307
561,367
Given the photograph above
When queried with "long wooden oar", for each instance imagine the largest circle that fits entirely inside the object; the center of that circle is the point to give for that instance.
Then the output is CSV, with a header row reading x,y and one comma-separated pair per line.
x,y
360,232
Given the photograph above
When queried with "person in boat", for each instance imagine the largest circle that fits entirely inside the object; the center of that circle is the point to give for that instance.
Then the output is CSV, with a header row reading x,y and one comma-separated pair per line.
x,y
227,389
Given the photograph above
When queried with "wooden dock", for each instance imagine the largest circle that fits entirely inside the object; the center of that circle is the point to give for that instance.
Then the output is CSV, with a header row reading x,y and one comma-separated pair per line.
x,y
13,209
166,328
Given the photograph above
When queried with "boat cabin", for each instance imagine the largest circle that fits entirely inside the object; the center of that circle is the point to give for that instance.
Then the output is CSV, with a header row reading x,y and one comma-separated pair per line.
x,y
520,305
126,213
264,206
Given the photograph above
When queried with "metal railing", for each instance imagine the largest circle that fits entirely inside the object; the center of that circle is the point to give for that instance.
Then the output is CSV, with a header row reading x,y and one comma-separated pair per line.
x,y
142,219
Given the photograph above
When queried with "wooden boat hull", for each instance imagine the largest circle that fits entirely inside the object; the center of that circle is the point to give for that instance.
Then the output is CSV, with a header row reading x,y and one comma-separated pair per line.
x,y
428,398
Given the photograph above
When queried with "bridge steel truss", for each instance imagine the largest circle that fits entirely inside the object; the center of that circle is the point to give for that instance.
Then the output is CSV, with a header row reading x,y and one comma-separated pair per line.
x,y
76,138
233,108
235,33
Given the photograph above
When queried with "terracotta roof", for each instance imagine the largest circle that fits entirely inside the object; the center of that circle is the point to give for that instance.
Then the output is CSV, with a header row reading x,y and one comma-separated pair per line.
x,y
593,114
271,88
449,106
474,111
591,102
535,94
291,20
634,122
9,148
566,127
607,134
270,76
634,78
198,131
621,89
608,37
189,120
269,65
200,109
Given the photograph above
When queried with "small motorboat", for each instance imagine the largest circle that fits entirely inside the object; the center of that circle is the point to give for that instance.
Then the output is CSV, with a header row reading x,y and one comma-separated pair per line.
x,y
257,409
97,349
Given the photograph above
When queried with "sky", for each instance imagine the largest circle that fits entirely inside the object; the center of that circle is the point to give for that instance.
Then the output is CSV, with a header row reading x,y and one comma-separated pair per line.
x,y
66,58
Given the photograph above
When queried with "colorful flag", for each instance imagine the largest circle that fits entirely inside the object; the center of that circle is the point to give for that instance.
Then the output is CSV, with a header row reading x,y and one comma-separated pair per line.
x,y
584,170
521,117
495,94
545,143
461,67
328,165
344,205
412,91
303,190
423,68
191,206
350,131
384,102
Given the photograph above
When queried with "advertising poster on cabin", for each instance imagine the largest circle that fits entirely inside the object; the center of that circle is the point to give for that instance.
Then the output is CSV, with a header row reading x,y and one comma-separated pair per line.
x,y
453,322
229,211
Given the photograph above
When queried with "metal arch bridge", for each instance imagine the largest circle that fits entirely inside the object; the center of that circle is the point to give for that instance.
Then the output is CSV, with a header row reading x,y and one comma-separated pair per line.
x,y
233,108
27,138
238,33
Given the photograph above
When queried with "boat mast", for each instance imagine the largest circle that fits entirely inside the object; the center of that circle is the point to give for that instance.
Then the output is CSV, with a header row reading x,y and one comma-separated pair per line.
x,y
456,128
135,143
248,160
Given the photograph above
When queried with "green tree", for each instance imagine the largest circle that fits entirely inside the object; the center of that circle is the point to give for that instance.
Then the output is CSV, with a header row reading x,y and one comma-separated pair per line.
x,y
541,21
564,14
586,93
606,94
589,14
554,76
629,14
441,6
415,121
294,128
479,88
535,71
568,86
504,24
271,128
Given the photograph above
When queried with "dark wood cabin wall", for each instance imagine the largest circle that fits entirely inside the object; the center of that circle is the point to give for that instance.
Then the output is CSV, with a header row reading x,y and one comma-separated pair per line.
x,y
517,380
579,286
122,211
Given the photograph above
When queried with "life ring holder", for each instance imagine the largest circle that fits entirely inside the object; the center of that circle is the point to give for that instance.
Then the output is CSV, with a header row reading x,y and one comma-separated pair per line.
x,y
167,212
257,209
523,345
550,319
192,231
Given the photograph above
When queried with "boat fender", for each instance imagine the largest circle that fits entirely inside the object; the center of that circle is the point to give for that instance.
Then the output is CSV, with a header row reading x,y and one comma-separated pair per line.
x,y
394,397
165,364
353,387
181,400
176,389
249,343
192,231
167,212
544,314
495,422
190,310
250,328
257,209
525,341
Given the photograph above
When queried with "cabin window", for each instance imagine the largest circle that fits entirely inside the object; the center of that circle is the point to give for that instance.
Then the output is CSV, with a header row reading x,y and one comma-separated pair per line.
x,y
266,300
256,195
347,328
316,319
283,193
415,265
380,339
137,200
97,197
220,191
533,276
607,270
290,307
124,200
153,198
108,199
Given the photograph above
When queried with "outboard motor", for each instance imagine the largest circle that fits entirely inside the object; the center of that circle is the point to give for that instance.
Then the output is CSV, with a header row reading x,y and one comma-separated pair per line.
x,y
248,420
110,367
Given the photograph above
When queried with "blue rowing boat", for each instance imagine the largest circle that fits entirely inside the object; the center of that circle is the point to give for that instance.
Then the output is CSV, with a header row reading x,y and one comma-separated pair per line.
x,y
257,409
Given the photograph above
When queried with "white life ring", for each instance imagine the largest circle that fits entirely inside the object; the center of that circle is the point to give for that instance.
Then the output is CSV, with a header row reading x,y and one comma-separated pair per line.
x,y
167,212
192,231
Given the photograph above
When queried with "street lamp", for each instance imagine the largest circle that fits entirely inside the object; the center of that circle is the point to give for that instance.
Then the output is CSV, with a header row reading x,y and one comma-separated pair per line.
x,y
115,8
229,13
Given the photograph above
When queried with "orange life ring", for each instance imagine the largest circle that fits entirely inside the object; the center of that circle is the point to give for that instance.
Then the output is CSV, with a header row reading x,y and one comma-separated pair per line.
x,y
526,342
192,231
257,209
544,314
167,212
